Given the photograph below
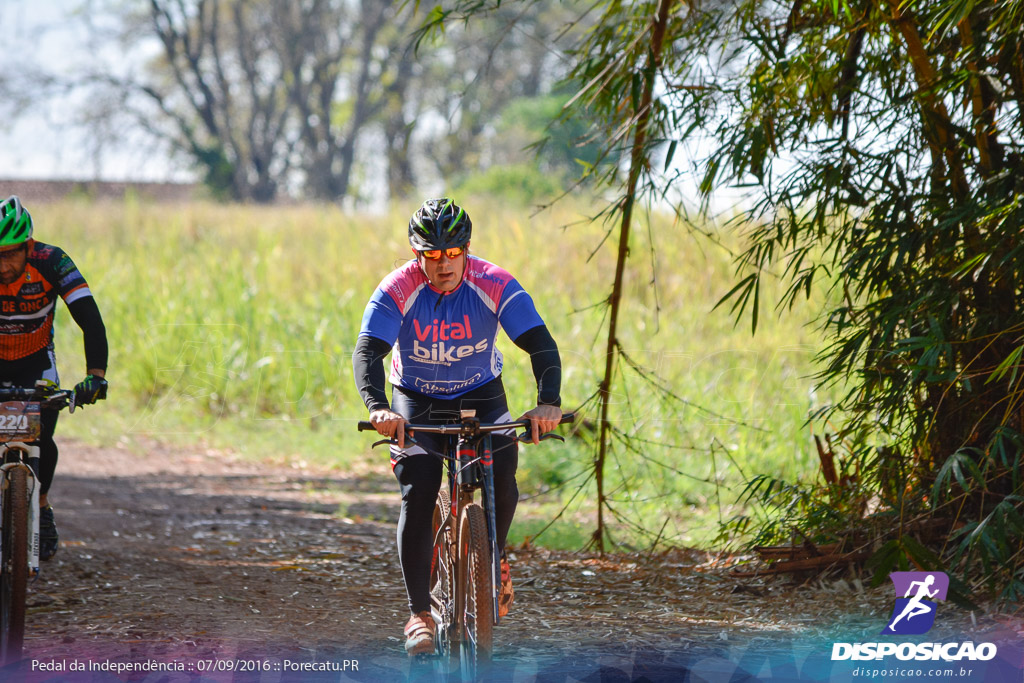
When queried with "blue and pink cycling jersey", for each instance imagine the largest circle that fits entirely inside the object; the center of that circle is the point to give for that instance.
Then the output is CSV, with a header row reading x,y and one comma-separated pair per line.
x,y
444,345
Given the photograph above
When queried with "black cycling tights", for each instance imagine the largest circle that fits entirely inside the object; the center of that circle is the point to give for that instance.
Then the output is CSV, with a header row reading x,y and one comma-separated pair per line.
x,y
420,475
47,450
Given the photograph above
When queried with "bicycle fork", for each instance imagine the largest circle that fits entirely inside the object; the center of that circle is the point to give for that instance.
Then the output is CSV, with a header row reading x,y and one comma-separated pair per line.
x,y
487,460
29,462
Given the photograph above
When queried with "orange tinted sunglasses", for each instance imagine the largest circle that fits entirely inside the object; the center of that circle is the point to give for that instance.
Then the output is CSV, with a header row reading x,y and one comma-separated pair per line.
x,y
450,252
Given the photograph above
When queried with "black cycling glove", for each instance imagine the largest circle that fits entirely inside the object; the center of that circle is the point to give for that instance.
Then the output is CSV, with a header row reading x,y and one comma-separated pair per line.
x,y
90,390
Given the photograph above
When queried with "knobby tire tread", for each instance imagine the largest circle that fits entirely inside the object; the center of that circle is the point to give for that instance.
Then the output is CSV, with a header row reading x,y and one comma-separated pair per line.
x,y
477,618
440,579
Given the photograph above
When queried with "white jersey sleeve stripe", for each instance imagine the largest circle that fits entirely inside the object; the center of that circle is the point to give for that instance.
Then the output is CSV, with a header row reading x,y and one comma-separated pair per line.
x,y
79,293
488,301
521,291
412,299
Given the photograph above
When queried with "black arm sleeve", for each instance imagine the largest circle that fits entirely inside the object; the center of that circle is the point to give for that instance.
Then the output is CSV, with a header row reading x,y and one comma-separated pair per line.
x,y
368,369
547,366
87,314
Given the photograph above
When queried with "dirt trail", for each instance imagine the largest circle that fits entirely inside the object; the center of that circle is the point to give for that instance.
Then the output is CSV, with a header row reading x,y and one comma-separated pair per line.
x,y
203,557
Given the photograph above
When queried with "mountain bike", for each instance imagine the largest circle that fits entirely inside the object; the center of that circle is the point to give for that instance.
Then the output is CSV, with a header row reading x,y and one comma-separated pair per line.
x,y
465,573
20,426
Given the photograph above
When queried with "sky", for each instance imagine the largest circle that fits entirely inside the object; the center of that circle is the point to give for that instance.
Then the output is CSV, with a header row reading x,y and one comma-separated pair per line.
x,y
45,143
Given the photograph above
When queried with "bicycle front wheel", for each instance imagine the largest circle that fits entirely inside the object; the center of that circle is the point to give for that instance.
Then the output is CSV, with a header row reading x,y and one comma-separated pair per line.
x,y
442,573
475,593
13,565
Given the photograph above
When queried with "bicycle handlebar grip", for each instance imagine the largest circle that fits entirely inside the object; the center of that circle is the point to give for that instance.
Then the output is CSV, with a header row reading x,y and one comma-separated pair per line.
x,y
366,426
567,418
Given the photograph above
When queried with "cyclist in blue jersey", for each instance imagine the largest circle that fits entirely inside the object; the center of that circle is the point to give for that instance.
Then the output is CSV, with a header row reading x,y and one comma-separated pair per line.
x,y
438,316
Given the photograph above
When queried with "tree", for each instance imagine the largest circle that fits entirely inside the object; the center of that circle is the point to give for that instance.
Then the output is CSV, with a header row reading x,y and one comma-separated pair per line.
x,y
881,147
261,95
222,93
903,127
532,153
482,76
344,63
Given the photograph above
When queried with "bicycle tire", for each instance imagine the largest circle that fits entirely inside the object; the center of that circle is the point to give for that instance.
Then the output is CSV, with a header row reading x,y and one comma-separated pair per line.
x,y
14,566
441,576
474,609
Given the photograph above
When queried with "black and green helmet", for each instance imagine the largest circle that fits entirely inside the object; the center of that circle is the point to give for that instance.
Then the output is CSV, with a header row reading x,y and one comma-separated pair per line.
x,y
15,223
439,224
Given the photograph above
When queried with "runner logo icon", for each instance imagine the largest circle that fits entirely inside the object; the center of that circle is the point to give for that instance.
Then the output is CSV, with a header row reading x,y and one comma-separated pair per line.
x,y
916,596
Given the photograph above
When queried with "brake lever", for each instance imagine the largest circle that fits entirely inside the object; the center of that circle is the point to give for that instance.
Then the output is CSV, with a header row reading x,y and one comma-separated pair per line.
x,y
394,442
526,438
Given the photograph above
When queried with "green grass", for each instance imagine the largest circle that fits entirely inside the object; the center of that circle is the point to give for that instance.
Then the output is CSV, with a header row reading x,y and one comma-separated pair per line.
x,y
232,327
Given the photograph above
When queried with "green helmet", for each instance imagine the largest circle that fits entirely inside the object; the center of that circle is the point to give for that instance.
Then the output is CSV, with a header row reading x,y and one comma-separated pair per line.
x,y
15,223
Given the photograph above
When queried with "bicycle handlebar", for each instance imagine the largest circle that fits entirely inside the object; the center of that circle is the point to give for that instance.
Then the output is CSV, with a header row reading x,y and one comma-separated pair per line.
x,y
464,428
45,396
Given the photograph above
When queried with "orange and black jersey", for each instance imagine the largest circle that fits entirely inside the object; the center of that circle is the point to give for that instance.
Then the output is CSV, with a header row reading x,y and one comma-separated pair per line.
x,y
27,306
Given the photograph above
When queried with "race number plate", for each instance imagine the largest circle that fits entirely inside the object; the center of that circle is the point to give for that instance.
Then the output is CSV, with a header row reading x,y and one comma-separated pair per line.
x,y
19,421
